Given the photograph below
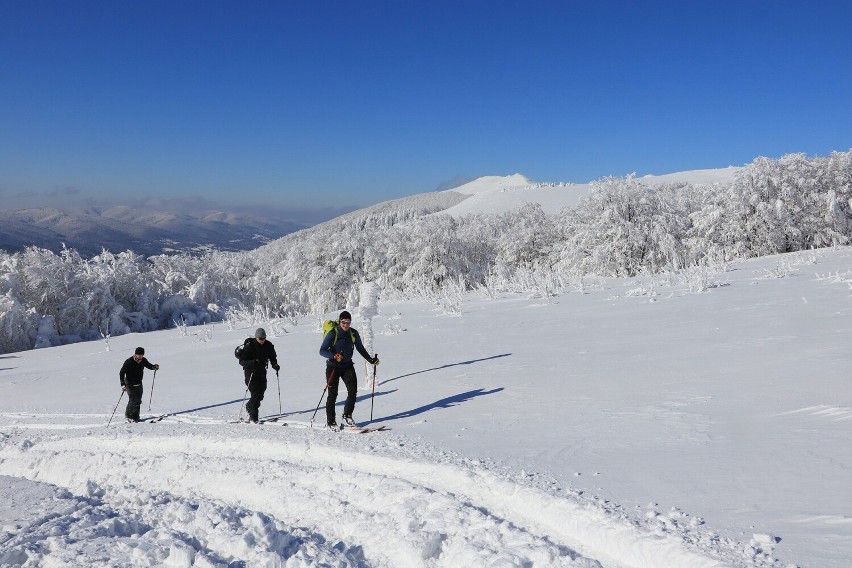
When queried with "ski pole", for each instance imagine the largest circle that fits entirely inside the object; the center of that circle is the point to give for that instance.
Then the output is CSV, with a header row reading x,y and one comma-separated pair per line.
x,y
152,390
116,406
245,396
327,383
279,392
373,396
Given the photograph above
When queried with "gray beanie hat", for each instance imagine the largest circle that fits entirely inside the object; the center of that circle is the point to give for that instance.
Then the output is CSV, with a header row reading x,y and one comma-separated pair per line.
x,y
260,333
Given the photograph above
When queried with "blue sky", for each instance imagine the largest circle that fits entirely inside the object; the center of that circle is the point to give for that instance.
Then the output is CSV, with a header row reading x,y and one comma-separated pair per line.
x,y
315,105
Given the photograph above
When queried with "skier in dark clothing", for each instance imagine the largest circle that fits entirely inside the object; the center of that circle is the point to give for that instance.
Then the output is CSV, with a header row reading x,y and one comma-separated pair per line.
x,y
256,355
338,346
130,377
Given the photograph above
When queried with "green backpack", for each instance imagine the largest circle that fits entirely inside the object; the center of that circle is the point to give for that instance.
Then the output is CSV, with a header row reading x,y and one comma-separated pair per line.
x,y
332,325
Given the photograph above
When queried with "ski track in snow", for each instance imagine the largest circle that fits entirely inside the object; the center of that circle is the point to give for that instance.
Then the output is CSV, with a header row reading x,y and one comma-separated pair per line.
x,y
211,494
823,410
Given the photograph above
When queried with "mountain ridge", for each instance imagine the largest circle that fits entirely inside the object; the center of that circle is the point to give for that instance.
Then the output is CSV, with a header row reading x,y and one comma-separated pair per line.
x,y
89,230
146,231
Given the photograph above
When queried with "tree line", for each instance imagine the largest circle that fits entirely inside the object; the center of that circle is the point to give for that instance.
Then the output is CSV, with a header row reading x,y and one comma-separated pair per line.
x,y
413,250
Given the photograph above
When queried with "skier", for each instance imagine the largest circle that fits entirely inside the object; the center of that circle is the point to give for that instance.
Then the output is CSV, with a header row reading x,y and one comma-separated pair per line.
x,y
130,377
255,357
338,346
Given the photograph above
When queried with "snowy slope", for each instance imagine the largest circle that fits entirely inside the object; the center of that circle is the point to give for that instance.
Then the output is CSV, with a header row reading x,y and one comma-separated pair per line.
x,y
499,194
633,424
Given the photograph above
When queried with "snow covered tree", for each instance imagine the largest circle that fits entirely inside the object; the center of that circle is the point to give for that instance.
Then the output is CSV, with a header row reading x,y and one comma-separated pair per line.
x,y
784,205
621,228
410,249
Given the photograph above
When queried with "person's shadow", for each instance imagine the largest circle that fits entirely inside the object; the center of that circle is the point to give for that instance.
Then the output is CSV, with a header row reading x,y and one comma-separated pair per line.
x,y
472,361
191,410
8,357
442,403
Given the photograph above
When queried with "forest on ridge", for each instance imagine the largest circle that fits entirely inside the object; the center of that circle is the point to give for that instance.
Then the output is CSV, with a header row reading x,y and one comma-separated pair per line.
x,y
411,250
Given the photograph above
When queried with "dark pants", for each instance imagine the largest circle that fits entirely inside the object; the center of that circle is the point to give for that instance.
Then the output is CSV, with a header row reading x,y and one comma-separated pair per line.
x,y
256,383
351,382
134,401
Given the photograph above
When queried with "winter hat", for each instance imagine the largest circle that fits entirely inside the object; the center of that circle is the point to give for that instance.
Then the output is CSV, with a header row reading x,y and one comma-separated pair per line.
x,y
344,315
140,351
260,333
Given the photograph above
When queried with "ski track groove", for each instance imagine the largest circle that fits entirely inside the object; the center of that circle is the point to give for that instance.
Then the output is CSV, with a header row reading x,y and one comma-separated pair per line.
x,y
432,514
111,520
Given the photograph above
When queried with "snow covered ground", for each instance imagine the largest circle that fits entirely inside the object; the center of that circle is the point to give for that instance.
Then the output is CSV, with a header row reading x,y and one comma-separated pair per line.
x,y
631,424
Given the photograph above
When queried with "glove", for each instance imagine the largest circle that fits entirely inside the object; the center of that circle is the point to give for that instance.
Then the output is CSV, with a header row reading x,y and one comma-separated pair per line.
x,y
338,357
375,361
156,366
124,387
276,367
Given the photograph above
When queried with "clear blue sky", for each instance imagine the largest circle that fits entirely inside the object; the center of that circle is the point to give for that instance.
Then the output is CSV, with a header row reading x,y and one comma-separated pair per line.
x,y
314,104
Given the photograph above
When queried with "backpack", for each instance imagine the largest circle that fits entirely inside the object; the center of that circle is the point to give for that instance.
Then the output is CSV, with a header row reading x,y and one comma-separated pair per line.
x,y
238,351
332,325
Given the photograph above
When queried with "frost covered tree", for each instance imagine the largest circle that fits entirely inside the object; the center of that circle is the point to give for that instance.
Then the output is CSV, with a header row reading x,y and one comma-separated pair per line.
x,y
622,228
784,205
18,325
410,249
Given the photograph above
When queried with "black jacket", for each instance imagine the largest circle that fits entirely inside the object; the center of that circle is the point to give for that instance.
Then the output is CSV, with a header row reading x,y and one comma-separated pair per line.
x,y
255,357
131,371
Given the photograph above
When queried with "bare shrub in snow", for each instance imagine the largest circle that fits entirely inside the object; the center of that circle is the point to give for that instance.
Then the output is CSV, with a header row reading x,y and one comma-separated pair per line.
x,y
699,278
450,296
181,327
783,269
392,329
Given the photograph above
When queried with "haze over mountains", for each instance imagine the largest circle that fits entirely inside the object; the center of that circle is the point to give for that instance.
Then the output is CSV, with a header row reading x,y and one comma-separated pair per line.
x,y
146,232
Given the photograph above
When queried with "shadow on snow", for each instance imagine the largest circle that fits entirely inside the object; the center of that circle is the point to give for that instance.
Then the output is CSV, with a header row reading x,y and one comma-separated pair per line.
x,y
190,410
448,402
472,361
8,357
443,403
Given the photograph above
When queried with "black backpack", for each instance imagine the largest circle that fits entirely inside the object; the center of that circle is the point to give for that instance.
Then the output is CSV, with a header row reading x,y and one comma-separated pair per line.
x,y
240,349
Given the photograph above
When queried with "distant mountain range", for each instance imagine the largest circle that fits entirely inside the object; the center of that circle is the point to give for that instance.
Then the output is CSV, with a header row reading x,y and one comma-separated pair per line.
x,y
89,230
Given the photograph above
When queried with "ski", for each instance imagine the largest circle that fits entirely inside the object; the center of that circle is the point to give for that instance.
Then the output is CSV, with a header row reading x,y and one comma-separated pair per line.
x,y
363,429
148,419
350,429
298,424
261,421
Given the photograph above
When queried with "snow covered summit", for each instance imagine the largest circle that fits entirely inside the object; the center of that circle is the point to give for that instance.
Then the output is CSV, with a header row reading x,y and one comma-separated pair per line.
x,y
492,184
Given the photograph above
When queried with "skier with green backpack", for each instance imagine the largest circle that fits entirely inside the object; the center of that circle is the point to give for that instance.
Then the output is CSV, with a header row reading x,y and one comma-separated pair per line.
x,y
339,343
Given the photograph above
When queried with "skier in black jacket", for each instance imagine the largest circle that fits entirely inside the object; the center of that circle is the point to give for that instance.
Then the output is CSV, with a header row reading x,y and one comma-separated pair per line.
x,y
257,353
130,377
